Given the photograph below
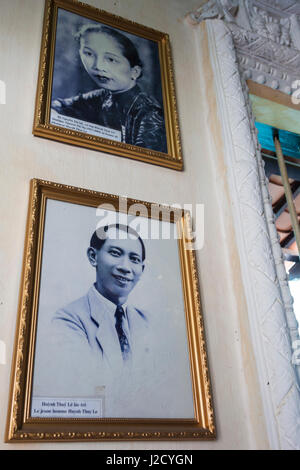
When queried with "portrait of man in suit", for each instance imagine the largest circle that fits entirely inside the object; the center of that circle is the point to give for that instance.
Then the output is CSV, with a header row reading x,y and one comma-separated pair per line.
x,y
103,319
111,324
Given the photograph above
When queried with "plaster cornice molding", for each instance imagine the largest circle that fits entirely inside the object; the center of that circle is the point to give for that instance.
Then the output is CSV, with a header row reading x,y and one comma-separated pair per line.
x,y
266,35
272,323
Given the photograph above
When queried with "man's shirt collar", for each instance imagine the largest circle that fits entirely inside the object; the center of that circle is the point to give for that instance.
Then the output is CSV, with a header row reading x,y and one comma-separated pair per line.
x,y
109,304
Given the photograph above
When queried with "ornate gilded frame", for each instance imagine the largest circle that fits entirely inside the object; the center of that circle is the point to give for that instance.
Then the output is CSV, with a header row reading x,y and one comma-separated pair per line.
x,y
21,427
42,126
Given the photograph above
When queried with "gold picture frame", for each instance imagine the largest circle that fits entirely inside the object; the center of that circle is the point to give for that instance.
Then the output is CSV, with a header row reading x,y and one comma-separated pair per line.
x,y
82,102
58,218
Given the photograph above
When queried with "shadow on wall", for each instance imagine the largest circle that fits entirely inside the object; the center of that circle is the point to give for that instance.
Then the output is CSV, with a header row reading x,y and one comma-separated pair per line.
x,y
2,92
2,352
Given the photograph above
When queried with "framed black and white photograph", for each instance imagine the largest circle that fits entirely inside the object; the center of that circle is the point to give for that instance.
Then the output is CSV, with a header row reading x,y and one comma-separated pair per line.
x,y
107,83
110,339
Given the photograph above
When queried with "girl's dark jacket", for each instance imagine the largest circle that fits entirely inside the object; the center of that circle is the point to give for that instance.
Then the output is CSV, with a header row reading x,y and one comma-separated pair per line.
x,y
135,114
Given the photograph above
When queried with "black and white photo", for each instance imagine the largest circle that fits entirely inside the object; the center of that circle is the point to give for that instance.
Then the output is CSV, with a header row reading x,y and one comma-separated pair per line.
x,y
106,83
109,340
123,341
101,77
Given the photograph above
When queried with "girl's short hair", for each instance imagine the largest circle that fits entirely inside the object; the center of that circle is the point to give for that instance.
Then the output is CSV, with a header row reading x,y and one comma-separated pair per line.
x,y
128,48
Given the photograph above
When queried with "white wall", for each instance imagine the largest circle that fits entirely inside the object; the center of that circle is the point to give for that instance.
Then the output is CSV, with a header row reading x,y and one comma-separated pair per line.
x,y
238,410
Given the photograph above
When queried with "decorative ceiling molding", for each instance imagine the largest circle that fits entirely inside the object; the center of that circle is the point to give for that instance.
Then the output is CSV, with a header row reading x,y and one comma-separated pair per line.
x,y
266,35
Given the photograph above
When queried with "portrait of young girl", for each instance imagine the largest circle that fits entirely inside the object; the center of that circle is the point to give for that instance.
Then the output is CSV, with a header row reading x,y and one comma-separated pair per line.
x,y
107,83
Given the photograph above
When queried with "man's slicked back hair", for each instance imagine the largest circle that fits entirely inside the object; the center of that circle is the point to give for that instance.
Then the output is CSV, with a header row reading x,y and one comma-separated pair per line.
x,y
100,235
